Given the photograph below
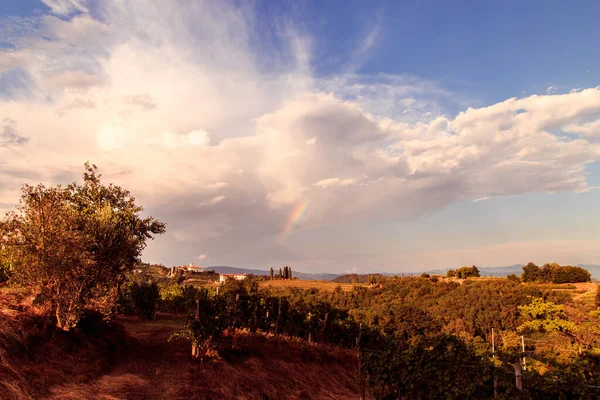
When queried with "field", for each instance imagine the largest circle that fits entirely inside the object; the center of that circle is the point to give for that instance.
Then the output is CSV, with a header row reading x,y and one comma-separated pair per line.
x,y
300,284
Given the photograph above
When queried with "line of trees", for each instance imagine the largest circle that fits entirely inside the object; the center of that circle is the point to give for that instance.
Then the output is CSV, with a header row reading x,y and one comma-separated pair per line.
x,y
554,273
463,272
285,273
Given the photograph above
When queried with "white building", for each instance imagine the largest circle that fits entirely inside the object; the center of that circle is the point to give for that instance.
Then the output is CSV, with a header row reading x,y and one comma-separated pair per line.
x,y
193,268
224,277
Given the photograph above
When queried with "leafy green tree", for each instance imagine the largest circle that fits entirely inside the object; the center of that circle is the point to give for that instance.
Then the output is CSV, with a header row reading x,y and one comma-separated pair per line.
x,y
542,316
72,246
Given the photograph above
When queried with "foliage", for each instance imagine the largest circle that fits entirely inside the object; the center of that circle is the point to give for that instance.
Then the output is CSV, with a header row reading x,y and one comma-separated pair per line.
x,y
542,316
554,273
451,273
139,298
356,278
467,272
72,246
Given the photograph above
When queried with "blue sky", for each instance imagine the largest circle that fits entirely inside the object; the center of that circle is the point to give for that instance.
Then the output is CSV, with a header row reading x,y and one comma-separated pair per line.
x,y
330,136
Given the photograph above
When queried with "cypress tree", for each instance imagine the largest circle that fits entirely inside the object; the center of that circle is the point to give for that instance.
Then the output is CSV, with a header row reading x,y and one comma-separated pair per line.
x,y
271,273
290,272
280,274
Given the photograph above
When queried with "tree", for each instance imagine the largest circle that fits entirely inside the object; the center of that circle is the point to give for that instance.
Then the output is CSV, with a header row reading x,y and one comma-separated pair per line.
x,y
531,272
541,316
467,272
450,273
290,272
271,274
72,246
280,273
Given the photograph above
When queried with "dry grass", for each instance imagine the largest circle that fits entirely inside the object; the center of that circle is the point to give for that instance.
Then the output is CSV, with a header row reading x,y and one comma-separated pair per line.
x,y
38,363
300,284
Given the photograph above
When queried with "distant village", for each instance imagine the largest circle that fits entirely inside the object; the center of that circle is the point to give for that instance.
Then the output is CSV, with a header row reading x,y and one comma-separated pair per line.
x,y
201,270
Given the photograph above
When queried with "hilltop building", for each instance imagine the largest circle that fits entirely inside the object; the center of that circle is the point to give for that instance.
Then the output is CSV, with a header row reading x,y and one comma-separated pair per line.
x,y
239,277
189,268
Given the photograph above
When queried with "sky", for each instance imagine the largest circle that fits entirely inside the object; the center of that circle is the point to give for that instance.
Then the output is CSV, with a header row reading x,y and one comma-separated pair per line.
x,y
330,136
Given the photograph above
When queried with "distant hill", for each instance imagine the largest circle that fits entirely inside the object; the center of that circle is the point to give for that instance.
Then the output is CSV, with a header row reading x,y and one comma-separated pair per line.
x,y
297,274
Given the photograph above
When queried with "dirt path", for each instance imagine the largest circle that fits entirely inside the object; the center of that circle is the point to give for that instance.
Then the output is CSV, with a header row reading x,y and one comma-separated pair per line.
x,y
255,368
150,368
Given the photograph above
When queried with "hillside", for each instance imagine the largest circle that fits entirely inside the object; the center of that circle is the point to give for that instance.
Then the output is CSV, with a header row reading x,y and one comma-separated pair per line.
x,y
136,360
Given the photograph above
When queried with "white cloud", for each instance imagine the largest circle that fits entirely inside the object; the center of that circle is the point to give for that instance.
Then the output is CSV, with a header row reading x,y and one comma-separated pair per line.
x,y
484,198
141,90
217,185
591,129
551,89
66,7
325,183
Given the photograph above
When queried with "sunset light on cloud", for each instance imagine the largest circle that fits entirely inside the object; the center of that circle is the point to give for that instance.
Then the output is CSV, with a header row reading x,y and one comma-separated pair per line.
x,y
303,137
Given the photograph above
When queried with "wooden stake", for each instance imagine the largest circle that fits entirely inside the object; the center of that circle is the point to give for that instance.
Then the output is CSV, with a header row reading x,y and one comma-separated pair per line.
x,y
495,385
523,348
195,349
277,320
518,376
324,328
360,374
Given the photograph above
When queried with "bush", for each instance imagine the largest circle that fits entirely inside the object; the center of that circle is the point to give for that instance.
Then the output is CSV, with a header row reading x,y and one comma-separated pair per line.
x,y
513,277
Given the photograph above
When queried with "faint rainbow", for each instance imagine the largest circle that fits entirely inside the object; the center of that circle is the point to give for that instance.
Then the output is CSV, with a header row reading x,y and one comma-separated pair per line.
x,y
297,214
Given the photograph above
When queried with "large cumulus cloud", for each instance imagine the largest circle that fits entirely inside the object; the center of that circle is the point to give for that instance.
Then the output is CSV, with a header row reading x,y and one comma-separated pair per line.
x,y
178,103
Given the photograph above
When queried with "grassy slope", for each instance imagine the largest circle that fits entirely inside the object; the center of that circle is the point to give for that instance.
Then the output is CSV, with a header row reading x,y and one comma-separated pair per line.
x,y
146,366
